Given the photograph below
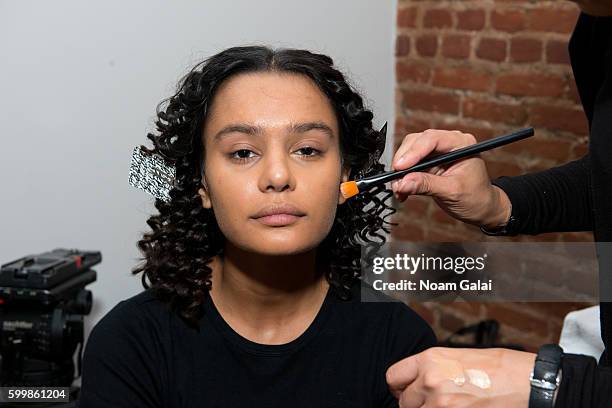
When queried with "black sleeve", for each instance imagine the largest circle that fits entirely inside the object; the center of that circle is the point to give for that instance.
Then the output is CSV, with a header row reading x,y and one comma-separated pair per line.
x,y
584,384
120,363
553,200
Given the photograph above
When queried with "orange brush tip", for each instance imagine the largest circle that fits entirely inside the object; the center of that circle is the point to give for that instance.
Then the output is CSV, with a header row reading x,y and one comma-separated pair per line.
x,y
349,189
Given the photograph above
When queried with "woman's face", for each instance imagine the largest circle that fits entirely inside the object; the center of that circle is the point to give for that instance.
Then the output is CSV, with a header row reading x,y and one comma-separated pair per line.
x,y
272,163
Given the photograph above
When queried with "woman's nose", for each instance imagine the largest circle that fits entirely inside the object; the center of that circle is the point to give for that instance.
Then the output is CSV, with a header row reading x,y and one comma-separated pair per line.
x,y
276,174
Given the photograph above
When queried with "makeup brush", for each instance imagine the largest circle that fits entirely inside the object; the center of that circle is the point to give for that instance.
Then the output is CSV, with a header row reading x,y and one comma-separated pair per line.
x,y
352,188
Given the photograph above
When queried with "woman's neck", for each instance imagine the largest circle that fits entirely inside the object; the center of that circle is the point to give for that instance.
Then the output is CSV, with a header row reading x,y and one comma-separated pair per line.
x,y
267,299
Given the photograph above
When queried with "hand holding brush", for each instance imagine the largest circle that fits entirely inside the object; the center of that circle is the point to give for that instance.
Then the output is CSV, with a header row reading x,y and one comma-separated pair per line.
x,y
463,190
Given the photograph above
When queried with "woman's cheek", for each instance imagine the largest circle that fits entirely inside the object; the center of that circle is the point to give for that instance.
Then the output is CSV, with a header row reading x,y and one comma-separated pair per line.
x,y
329,192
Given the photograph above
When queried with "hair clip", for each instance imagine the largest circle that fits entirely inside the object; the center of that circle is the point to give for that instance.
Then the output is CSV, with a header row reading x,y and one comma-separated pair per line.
x,y
151,173
374,157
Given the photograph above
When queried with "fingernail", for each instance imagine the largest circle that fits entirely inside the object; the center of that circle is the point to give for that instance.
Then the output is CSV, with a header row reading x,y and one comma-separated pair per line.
x,y
401,160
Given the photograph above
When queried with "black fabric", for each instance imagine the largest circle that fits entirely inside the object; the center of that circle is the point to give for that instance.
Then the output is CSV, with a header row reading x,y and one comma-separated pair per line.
x,y
141,354
557,199
584,383
578,196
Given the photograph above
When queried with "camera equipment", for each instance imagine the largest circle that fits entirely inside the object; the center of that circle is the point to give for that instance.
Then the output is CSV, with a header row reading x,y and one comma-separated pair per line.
x,y
42,304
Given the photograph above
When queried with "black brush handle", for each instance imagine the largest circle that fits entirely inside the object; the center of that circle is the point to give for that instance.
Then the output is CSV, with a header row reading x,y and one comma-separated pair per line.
x,y
455,155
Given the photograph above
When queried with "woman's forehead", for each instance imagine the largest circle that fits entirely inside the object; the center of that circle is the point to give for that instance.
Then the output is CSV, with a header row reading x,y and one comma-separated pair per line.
x,y
270,99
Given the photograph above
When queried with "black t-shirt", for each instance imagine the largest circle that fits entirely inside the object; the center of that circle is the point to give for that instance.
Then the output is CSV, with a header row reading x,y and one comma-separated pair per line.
x,y
141,354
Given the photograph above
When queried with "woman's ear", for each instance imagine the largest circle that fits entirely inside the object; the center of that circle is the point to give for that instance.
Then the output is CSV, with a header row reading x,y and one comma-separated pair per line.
x,y
204,195
345,176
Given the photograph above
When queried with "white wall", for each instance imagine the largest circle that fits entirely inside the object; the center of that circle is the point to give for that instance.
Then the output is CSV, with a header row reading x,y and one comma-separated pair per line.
x,y
79,82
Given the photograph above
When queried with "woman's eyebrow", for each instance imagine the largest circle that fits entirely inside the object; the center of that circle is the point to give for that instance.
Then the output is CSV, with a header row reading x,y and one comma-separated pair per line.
x,y
258,130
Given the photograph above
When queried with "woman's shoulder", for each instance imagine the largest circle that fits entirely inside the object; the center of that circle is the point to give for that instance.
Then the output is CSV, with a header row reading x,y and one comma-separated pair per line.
x,y
140,305
400,321
365,294
132,319
124,359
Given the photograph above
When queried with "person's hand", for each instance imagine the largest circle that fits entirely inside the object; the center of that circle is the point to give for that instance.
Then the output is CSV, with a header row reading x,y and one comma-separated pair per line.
x,y
440,377
462,188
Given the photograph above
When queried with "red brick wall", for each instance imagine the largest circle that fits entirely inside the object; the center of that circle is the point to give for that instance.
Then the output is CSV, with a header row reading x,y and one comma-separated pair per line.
x,y
486,68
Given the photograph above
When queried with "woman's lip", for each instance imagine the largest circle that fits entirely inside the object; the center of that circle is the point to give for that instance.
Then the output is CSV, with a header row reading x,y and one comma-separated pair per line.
x,y
278,220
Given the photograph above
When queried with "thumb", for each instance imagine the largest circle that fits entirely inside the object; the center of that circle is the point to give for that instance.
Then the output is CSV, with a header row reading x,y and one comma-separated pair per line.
x,y
426,184
401,374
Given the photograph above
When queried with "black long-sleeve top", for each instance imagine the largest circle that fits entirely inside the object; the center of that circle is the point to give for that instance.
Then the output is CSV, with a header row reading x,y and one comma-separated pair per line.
x,y
577,196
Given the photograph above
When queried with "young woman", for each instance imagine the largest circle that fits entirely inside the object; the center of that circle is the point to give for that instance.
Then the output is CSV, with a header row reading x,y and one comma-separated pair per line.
x,y
254,296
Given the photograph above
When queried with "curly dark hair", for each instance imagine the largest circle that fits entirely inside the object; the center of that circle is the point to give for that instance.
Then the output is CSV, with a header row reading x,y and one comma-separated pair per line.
x,y
185,235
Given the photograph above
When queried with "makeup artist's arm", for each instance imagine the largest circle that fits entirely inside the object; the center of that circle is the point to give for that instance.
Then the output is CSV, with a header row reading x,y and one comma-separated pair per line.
x,y
552,200
556,199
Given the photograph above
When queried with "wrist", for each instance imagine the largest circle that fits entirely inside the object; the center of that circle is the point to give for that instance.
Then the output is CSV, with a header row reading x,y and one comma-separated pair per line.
x,y
500,209
545,377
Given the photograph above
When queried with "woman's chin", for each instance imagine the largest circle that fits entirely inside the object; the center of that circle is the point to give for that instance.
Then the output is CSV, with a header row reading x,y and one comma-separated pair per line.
x,y
292,239
282,245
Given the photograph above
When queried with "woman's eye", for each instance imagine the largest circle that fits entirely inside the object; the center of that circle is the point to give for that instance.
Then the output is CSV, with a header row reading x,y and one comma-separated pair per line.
x,y
242,155
309,151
